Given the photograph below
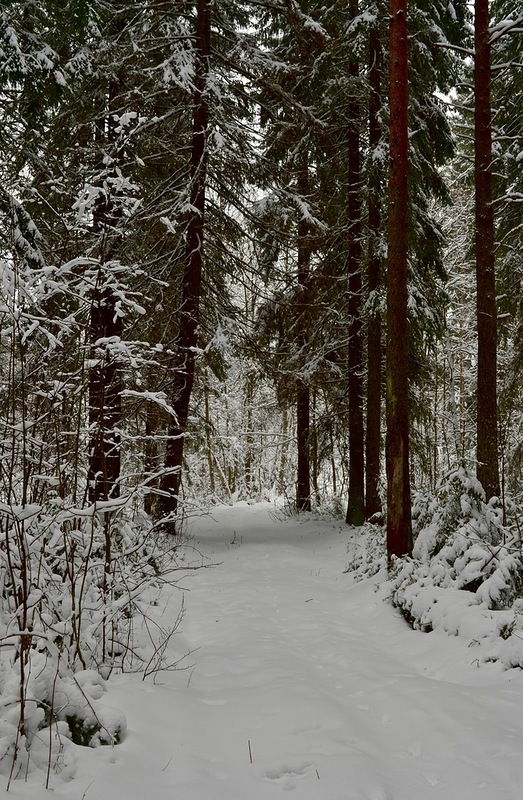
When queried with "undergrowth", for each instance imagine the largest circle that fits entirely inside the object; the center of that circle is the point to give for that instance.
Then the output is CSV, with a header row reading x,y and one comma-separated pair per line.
x,y
466,571
70,614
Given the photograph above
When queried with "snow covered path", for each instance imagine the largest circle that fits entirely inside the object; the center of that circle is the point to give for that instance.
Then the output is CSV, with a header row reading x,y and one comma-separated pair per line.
x,y
312,677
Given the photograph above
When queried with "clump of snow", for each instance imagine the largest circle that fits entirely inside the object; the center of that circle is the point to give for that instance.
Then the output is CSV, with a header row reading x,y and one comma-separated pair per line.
x,y
59,707
367,551
466,573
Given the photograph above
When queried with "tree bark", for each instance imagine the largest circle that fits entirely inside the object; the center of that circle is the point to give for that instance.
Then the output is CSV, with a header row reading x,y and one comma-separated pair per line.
x,y
487,416
374,348
105,405
399,530
283,451
105,325
355,509
303,487
150,454
248,468
208,436
184,359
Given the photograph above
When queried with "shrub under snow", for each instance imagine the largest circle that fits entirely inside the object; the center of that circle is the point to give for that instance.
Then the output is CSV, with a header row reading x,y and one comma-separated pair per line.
x,y
70,608
466,573
59,707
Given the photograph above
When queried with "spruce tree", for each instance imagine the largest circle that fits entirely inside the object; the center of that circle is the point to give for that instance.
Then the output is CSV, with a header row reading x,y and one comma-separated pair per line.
x,y
356,503
506,91
399,532
183,365
487,416
374,279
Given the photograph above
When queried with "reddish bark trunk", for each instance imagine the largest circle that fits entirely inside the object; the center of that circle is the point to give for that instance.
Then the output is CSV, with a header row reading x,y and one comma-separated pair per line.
x,y
399,531
487,438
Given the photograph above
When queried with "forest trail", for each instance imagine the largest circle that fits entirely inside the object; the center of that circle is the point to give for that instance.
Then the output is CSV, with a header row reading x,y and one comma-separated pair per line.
x,y
305,681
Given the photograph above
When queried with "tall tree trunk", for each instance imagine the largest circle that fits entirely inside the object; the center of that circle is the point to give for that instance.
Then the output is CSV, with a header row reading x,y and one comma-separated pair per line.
x,y
315,459
150,454
186,341
374,349
283,451
487,416
355,508
105,325
399,529
453,403
303,488
105,405
208,436
248,470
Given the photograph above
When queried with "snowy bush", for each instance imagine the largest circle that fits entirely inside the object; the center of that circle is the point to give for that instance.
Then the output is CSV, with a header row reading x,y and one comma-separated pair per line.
x,y
74,584
368,551
464,560
57,707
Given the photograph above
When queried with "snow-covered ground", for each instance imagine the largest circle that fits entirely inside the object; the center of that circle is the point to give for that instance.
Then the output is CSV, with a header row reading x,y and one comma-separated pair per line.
x,y
301,680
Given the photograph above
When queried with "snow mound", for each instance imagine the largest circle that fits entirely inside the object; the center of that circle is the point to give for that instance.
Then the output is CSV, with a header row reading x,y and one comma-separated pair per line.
x,y
466,573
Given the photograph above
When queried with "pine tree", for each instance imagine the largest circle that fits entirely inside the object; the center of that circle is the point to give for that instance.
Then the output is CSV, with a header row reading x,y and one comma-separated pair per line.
x,y
291,131
399,532
507,111
184,359
487,416
303,477
374,269
356,504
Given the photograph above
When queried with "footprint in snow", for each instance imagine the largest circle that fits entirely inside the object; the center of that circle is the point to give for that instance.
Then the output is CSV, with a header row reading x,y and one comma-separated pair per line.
x,y
286,776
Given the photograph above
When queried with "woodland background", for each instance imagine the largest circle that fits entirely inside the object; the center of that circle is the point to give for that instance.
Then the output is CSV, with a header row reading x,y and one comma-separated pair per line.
x,y
199,299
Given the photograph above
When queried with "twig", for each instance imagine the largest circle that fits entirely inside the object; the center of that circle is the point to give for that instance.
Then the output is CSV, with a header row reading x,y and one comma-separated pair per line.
x,y
87,789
